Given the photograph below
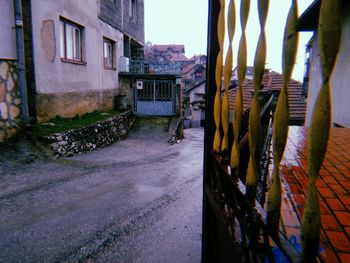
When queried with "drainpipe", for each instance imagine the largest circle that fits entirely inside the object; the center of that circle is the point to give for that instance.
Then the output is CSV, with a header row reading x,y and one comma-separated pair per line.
x,y
17,6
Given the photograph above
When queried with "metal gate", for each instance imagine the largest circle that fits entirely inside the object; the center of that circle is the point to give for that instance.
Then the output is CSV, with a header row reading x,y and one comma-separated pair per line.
x,y
155,97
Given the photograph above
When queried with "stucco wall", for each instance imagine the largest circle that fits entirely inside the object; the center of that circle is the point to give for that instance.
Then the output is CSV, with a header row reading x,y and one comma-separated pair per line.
x,y
7,31
54,77
340,80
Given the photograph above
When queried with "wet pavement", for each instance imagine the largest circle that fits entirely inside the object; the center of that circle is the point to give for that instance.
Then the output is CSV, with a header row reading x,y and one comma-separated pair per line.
x,y
138,200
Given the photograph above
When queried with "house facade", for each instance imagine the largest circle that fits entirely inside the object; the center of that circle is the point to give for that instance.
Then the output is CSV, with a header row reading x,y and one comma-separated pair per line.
x,y
73,51
341,75
195,110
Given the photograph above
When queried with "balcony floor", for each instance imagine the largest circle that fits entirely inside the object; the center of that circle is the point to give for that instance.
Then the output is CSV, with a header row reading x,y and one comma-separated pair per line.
x,y
333,186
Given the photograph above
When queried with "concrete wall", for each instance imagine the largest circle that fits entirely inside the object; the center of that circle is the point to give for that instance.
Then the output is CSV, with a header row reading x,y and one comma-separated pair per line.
x,y
7,31
134,29
340,79
111,13
68,89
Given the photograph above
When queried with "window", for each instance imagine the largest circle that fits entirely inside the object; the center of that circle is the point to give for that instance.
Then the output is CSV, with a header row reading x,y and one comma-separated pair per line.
x,y
108,53
71,41
132,10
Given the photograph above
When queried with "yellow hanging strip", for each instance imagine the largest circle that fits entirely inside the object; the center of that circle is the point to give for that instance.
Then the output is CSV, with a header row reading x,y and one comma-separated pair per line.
x,y
218,77
225,114
281,118
329,33
241,69
254,114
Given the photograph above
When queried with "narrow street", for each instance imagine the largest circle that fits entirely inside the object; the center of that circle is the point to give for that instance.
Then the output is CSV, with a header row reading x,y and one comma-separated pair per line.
x,y
138,200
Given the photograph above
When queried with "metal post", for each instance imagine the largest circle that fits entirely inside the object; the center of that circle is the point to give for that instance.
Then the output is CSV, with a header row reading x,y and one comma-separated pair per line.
x,y
208,253
154,90
20,57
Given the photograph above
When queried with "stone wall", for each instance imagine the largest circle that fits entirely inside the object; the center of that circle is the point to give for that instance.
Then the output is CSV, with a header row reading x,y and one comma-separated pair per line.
x,y
88,138
10,101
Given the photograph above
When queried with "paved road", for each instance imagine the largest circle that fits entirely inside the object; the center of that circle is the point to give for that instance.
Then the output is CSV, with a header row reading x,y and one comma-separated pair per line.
x,y
138,200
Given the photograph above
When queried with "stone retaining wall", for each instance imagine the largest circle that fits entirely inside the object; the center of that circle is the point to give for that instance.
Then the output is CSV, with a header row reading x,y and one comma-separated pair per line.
x,y
10,101
88,138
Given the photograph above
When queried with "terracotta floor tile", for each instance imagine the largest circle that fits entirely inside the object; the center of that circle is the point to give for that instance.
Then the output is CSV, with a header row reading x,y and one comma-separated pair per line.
x,y
345,199
341,167
329,256
346,185
320,183
347,229
329,223
332,169
339,241
333,185
330,180
338,189
343,217
326,192
324,208
335,204
344,257
295,189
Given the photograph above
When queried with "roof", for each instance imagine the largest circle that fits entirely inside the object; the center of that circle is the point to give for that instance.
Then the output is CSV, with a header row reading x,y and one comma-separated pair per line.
x,y
273,81
172,47
308,20
186,69
175,57
195,86
195,57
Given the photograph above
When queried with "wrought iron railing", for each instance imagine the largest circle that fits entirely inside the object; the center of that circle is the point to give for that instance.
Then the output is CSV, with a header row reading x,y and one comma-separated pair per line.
x,y
235,226
152,67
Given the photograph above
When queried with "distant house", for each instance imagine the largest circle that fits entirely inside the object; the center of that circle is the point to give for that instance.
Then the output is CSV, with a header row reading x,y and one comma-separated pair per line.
x,y
248,75
198,59
195,113
166,54
273,82
72,52
193,74
341,75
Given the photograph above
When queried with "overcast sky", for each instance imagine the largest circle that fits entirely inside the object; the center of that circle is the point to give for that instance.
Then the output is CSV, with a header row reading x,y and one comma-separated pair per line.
x,y
185,22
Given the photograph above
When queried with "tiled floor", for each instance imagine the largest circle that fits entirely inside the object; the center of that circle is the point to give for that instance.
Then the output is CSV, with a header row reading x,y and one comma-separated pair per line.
x,y
334,191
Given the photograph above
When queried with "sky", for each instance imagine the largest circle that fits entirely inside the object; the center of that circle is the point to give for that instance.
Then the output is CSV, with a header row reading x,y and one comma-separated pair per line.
x,y
185,22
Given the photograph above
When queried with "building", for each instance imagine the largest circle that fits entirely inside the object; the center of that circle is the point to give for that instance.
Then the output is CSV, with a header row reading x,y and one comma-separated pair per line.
x,y
192,74
341,74
73,53
166,53
195,110
273,82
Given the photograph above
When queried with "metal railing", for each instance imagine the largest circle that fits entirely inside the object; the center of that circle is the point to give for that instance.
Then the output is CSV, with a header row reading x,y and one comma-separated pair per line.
x,y
151,67
236,227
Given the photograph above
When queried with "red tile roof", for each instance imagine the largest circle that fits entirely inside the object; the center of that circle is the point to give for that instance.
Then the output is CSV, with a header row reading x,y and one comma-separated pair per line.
x,y
174,48
273,81
178,57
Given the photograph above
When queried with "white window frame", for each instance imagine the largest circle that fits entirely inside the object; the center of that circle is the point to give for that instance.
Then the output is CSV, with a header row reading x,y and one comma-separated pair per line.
x,y
108,53
71,36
